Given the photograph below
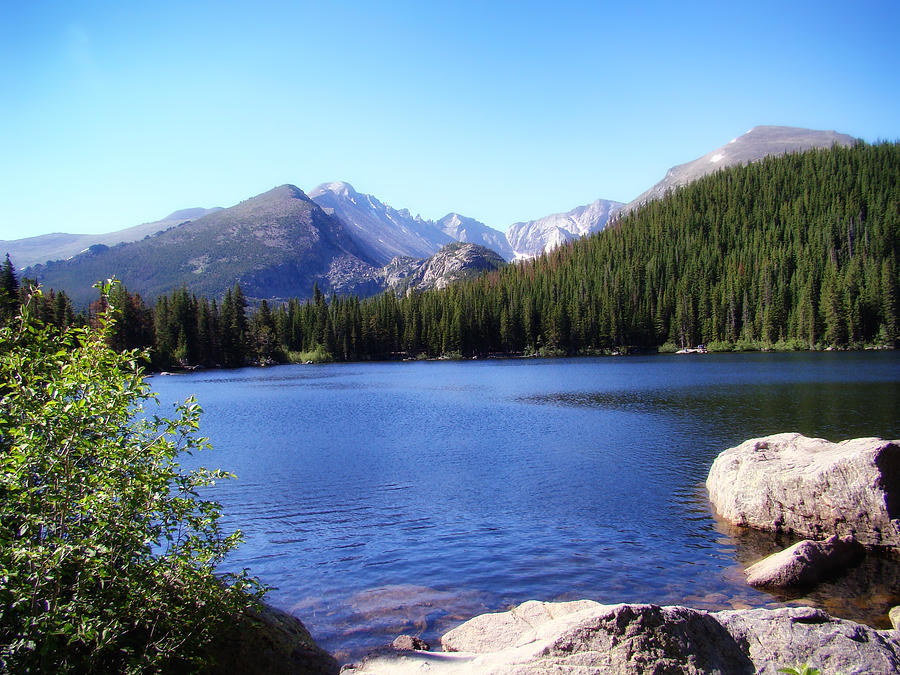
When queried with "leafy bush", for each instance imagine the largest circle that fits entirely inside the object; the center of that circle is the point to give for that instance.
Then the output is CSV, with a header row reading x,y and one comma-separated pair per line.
x,y
317,355
804,669
667,348
747,345
791,345
107,552
720,346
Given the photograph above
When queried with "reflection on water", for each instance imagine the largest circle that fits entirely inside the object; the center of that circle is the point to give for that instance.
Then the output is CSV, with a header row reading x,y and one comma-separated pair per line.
x,y
864,593
832,410
407,497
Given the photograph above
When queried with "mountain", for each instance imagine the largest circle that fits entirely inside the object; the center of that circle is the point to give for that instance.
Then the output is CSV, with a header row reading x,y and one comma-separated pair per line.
x,y
795,252
391,233
454,262
470,230
60,245
378,228
277,244
534,237
757,143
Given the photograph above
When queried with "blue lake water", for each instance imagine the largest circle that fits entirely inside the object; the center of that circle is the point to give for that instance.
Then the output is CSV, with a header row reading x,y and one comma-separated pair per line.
x,y
390,498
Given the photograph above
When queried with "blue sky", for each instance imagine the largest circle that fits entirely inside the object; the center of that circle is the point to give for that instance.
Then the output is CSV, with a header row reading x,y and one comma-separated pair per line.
x,y
117,113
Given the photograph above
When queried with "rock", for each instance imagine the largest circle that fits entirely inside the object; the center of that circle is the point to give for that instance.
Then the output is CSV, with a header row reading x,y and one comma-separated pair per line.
x,y
894,616
497,631
805,563
585,636
811,487
270,642
608,638
775,638
409,643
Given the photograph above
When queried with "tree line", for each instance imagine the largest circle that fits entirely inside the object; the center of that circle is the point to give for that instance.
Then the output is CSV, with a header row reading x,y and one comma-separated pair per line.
x,y
792,252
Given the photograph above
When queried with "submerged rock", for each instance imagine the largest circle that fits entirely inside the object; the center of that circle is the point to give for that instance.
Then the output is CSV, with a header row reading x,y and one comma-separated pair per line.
x,y
805,563
811,487
409,643
585,636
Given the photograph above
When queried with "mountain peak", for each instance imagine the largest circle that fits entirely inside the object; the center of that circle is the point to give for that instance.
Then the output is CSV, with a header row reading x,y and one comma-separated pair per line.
x,y
286,191
338,187
752,146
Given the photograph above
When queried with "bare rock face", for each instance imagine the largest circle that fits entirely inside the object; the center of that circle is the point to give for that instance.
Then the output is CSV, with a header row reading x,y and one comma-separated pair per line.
x,y
454,262
805,563
812,487
530,239
585,636
604,638
775,638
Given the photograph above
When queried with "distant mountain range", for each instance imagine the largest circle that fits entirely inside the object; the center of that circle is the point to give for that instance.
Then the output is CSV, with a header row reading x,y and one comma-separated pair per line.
x,y
60,245
278,244
382,230
536,236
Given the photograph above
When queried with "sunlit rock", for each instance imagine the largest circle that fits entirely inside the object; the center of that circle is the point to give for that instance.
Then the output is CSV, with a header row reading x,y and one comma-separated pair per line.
x,y
585,636
811,487
805,563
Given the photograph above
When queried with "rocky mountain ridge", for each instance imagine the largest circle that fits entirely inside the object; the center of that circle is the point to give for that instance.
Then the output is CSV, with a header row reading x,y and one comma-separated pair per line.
x,y
534,237
383,230
277,245
61,245
454,262
754,145
360,235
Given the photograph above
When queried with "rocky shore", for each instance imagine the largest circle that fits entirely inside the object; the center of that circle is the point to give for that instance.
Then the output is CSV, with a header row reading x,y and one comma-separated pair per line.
x,y
585,636
844,496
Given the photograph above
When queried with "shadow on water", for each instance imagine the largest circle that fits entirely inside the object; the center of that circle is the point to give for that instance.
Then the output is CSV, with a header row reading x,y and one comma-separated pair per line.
x,y
864,593
835,411
725,415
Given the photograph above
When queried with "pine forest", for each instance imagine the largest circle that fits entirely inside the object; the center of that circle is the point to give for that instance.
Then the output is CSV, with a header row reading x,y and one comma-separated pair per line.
x,y
793,252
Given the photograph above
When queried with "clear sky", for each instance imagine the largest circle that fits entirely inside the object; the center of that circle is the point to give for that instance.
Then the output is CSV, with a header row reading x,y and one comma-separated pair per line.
x,y
117,113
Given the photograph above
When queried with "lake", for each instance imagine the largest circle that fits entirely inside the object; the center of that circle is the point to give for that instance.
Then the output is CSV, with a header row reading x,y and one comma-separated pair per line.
x,y
388,498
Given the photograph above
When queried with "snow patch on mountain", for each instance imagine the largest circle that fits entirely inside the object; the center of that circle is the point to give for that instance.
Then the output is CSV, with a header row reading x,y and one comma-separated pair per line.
x,y
530,239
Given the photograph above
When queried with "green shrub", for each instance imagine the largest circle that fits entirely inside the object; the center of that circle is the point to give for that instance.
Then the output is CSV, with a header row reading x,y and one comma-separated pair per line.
x,y
791,345
667,348
317,355
720,346
747,345
551,352
804,669
107,553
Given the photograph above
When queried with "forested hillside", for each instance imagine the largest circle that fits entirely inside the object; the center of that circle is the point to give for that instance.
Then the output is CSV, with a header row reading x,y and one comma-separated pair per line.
x,y
798,251
794,252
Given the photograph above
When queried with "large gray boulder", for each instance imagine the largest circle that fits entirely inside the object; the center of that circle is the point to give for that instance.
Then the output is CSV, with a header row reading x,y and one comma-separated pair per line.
x,y
585,636
811,487
776,638
269,641
805,563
